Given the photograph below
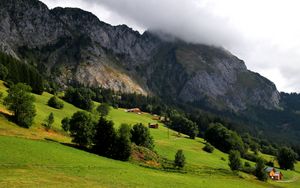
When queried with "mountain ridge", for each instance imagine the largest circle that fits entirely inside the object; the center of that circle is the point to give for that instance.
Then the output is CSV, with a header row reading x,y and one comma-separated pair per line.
x,y
70,45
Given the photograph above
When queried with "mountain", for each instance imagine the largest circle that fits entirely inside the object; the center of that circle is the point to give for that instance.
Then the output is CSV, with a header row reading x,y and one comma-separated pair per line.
x,y
73,46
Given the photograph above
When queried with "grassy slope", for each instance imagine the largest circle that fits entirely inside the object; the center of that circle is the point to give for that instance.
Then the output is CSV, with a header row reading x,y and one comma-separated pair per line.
x,y
40,163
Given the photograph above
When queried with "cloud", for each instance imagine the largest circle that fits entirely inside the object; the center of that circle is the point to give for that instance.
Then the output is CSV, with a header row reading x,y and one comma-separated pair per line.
x,y
264,33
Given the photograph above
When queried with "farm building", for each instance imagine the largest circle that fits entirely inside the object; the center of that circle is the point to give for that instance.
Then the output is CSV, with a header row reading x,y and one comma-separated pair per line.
x,y
153,125
136,110
273,173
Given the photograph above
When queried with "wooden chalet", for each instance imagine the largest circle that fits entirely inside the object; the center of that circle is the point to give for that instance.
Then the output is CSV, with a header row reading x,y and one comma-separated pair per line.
x,y
153,125
273,173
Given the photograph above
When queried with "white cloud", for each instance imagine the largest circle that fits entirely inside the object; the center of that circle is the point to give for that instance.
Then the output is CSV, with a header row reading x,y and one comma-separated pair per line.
x,y
264,33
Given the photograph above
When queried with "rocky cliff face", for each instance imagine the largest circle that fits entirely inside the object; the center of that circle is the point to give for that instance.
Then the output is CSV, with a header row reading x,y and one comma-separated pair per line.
x,y
74,46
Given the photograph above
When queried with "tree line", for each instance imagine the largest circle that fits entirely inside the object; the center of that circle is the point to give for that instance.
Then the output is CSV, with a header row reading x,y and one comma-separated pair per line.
x,y
14,71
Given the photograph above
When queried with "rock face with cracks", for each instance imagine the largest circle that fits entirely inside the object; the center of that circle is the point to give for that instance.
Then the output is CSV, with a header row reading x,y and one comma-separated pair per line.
x,y
74,46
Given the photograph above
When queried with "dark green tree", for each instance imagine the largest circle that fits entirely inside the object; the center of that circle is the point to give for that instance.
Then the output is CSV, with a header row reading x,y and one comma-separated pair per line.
x,y
105,138
82,129
103,109
184,125
3,72
287,158
260,170
65,124
140,135
49,121
179,159
123,143
234,160
21,103
224,139
55,103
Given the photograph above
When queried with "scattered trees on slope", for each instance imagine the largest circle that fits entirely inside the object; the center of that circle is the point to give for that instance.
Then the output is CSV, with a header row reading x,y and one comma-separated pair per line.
x,y
21,103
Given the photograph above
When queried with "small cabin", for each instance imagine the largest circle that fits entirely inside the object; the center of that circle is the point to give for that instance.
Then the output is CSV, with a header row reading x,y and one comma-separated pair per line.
x,y
153,125
135,110
273,173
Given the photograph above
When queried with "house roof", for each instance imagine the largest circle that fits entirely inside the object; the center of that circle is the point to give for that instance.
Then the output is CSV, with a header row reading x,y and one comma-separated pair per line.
x,y
269,169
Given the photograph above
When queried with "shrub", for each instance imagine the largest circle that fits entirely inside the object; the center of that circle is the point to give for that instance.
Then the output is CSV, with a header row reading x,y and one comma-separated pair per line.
x,y
179,159
55,103
208,148
234,160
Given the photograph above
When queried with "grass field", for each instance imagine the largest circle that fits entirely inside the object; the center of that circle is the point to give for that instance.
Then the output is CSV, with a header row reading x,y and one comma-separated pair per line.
x,y
28,160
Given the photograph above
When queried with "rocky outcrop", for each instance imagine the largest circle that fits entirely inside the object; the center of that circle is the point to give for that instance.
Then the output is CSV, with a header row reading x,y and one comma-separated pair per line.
x,y
74,46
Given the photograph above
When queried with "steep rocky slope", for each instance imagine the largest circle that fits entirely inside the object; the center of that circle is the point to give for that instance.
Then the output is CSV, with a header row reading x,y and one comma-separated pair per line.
x,y
74,46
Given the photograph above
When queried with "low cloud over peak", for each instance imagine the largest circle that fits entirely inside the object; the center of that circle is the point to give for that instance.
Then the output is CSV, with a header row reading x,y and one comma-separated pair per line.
x,y
264,33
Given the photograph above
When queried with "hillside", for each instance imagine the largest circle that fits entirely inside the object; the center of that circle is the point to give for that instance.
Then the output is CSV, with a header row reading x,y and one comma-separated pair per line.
x,y
36,161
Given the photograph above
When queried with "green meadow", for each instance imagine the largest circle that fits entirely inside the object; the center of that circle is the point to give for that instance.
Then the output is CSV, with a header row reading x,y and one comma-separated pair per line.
x,y
37,158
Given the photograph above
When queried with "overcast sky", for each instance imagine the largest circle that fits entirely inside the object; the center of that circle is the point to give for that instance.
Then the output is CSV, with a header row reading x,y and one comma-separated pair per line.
x,y
264,33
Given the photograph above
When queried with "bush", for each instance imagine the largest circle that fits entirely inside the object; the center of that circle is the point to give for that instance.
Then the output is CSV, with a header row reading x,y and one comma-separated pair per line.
x,y
55,103
260,170
49,121
103,109
82,129
140,135
179,159
234,160
21,103
208,148
65,124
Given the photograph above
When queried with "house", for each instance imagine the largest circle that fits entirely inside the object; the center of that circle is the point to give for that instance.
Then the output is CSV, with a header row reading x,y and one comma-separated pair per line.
x,y
153,125
135,110
273,173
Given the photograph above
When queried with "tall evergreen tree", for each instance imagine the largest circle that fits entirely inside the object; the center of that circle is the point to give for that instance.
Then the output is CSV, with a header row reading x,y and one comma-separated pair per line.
x,y
123,143
105,138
